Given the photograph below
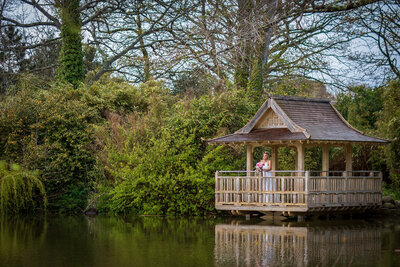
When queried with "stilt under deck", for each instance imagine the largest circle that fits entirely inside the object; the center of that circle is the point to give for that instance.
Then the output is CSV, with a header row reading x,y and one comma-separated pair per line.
x,y
298,192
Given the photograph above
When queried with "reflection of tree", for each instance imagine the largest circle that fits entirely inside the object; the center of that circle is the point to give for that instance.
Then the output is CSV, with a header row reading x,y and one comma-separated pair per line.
x,y
255,245
20,234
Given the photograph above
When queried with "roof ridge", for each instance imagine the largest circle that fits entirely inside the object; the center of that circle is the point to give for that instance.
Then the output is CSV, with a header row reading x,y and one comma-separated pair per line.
x,y
299,98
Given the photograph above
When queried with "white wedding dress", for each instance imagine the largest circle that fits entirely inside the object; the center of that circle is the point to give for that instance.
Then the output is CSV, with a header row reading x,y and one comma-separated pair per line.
x,y
268,184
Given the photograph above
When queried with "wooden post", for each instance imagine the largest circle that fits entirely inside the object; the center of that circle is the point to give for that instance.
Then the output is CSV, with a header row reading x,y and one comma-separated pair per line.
x,y
306,186
346,186
249,168
380,188
249,165
349,161
300,166
325,160
274,158
216,187
300,157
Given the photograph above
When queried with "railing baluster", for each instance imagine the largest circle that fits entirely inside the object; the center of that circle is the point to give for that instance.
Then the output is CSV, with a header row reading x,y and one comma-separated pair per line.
x,y
237,189
327,189
345,174
282,190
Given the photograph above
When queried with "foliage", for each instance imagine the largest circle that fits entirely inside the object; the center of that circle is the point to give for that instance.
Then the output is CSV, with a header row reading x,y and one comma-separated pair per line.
x,y
255,83
50,130
388,190
20,189
299,87
161,164
375,111
116,96
361,106
389,126
70,61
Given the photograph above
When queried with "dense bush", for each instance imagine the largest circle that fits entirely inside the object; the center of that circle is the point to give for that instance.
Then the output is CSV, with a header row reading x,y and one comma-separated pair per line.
x,y
50,130
161,163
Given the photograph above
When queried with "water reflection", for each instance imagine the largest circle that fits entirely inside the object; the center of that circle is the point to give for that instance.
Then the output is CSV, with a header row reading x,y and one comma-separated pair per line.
x,y
160,241
106,241
325,244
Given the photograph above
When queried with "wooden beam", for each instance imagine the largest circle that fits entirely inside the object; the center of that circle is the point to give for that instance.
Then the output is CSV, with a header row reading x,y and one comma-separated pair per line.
x,y
249,157
274,158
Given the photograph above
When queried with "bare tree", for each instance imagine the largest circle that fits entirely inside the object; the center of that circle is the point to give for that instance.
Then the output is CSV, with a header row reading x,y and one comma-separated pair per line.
x,y
378,26
231,39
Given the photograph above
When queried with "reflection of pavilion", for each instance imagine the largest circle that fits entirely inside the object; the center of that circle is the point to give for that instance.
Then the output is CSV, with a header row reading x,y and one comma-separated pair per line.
x,y
256,245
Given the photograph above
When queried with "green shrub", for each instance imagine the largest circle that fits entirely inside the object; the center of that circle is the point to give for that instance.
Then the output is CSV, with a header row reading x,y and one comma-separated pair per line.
x,y
389,126
116,96
159,161
20,189
50,130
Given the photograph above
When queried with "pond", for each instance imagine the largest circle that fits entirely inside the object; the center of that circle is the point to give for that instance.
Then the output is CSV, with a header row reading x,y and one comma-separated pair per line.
x,y
160,241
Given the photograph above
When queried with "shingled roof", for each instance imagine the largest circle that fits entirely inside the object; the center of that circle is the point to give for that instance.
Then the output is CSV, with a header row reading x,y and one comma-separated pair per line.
x,y
283,118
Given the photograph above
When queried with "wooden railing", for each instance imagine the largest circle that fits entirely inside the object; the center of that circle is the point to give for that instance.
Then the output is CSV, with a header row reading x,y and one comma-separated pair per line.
x,y
298,188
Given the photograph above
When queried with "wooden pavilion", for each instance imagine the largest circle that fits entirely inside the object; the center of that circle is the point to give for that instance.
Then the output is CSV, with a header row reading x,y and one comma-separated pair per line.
x,y
299,123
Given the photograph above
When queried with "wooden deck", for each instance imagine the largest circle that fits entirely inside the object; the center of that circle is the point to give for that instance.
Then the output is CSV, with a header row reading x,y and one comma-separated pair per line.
x,y
298,191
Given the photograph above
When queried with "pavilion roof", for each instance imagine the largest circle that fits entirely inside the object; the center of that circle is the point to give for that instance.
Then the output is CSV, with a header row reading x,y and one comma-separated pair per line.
x,y
301,119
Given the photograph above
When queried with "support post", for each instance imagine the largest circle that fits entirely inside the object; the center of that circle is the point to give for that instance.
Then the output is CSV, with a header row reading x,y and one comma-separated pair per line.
x,y
300,157
249,168
349,161
306,183
346,186
249,155
274,158
216,187
325,160
299,167
380,188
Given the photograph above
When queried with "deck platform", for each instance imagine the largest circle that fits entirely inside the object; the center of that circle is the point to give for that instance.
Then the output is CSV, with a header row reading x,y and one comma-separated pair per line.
x,y
298,192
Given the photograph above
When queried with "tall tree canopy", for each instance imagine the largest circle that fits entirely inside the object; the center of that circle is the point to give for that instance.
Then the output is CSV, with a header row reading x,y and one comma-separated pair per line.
x,y
251,42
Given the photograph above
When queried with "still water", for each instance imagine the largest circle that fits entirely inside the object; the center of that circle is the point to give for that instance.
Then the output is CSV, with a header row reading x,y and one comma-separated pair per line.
x,y
160,241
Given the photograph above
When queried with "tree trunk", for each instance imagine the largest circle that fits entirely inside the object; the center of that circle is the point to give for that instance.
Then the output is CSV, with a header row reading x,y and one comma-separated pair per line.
x,y
70,62
146,59
243,52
